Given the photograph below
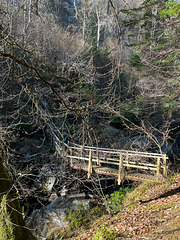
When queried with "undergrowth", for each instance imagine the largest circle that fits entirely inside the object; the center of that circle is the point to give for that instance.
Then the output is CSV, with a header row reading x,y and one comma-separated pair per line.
x,y
114,202
82,216
79,219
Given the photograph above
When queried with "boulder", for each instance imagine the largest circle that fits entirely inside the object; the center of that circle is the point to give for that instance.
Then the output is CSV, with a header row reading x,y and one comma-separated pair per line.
x,y
46,178
43,221
111,131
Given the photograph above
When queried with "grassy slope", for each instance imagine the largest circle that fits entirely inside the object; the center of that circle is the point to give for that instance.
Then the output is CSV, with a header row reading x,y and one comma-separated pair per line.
x,y
151,211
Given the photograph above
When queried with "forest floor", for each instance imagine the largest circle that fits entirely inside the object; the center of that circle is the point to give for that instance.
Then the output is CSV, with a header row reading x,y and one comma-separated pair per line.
x,y
151,211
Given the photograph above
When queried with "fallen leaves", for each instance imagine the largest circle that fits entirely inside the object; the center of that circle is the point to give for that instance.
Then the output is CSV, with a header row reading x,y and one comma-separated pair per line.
x,y
158,208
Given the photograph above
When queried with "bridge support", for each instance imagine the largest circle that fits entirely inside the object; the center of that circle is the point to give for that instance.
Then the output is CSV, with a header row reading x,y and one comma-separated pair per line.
x,y
121,171
90,169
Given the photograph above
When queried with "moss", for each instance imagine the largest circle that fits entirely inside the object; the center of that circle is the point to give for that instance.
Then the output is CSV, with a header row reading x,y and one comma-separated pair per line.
x,y
131,205
160,207
6,227
171,179
6,187
105,232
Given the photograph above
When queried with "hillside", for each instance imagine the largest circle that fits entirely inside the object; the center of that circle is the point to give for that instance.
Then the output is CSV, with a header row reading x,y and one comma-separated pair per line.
x,y
151,211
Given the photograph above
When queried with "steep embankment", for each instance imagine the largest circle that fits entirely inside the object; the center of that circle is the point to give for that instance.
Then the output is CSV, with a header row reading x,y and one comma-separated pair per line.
x,y
151,211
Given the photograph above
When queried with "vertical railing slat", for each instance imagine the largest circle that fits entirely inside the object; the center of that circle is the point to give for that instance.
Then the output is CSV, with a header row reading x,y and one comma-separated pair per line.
x,y
90,164
120,171
158,169
165,166
127,161
98,158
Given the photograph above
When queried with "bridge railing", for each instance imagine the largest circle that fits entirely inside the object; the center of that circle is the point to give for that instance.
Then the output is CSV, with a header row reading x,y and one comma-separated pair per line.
x,y
121,160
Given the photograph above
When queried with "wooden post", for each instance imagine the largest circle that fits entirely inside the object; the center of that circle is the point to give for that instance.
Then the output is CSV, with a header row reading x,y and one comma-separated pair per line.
x,y
127,162
90,164
165,167
158,169
120,172
71,159
98,159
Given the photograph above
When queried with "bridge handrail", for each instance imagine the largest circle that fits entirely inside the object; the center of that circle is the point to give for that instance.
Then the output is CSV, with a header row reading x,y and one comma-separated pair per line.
x,y
117,163
113,161
116,151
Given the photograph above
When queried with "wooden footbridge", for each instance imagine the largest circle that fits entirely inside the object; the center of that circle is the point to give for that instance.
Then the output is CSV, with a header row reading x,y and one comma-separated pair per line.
x,y
120,164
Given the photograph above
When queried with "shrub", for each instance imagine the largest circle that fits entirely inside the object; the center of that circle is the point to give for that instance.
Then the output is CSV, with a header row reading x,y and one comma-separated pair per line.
x,y
114,201
172,9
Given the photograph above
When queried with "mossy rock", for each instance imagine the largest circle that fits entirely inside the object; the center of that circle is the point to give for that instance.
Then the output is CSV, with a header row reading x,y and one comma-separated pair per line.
x,y
13,207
